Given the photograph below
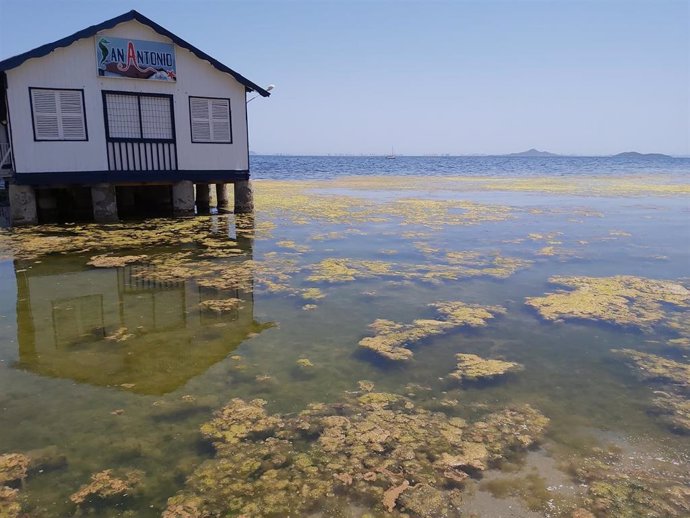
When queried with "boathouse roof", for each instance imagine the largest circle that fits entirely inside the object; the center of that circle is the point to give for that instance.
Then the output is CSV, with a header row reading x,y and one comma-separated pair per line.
x,y
46,49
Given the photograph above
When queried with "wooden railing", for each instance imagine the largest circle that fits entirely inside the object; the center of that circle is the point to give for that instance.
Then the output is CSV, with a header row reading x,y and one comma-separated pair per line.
x,y
5,159
144,155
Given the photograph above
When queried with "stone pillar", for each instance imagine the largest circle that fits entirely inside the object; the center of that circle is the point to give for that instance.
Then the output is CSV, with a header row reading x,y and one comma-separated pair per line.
x,y
212,198
244,199
104,201
223,197
203,192
23,209
183,198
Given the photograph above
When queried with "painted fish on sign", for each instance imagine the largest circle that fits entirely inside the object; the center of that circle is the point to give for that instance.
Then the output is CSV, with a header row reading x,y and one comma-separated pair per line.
x,y
135,59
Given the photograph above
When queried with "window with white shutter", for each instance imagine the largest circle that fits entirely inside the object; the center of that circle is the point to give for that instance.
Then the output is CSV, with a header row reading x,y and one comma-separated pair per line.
x,y
210,120
58,114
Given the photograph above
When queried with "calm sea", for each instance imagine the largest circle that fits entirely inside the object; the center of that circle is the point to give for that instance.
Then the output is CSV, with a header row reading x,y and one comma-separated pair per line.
x,y
316,167
110,370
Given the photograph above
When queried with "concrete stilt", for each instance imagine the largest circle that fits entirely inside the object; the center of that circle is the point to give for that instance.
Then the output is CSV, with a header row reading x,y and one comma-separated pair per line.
x,y
223,197
23,210
104,200
212,198
203,192
183,198
244,199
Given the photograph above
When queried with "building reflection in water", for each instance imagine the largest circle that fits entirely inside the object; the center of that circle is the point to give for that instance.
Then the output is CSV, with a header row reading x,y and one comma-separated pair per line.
x,y
114,327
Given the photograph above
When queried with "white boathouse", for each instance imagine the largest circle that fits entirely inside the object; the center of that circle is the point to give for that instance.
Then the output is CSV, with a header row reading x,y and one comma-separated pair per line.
x,y
120,115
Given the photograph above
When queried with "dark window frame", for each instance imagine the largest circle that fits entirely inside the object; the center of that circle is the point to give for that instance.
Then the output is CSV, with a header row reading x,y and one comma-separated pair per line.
x,y
189,106
138,95
83,110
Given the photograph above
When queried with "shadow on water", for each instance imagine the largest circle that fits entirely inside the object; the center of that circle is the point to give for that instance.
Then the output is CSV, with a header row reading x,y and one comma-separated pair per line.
x,y
116,327
116,369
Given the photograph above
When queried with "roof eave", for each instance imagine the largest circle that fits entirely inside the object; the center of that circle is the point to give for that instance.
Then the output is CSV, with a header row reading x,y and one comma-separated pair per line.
x,y
46,49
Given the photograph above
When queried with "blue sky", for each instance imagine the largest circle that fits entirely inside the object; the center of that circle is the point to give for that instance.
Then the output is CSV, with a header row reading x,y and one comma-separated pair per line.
x,y
573,77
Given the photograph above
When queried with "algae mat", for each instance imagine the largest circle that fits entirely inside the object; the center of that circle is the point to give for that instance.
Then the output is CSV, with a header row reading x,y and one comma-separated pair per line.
x,y
360,347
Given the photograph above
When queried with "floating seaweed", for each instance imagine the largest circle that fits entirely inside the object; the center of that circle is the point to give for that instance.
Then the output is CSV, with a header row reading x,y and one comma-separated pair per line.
x,y
312,294
595,185
377,450
111,261
458,265
221,305
391,338
291,245
624,300
341,270
472,368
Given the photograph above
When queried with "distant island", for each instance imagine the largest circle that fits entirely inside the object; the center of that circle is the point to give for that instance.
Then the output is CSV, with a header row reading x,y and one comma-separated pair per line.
x,y
532,152
635,154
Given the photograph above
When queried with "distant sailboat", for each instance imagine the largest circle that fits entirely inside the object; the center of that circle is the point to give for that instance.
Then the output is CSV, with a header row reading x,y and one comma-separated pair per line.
x,y
392,155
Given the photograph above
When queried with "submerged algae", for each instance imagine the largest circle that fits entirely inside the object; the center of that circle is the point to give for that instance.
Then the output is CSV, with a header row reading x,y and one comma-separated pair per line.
x,y
122,334
614,489
10,507
472,368
674,410
623,299
391,338
672,403
653,367
378,450
105,485
13,467
305,363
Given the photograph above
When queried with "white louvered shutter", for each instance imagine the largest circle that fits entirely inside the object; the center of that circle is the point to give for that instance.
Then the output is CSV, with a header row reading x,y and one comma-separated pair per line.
x,y
44,103
201,121
210,120
71,120
58,114
220,120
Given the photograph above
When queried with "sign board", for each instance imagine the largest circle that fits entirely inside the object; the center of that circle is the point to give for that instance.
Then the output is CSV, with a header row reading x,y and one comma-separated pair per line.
x,y
135,59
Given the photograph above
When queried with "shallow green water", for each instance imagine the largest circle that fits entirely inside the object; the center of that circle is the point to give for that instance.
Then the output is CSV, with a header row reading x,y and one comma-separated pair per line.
x,y
138,403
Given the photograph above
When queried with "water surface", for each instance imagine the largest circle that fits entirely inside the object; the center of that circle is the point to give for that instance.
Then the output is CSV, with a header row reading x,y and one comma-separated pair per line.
x,y
117,368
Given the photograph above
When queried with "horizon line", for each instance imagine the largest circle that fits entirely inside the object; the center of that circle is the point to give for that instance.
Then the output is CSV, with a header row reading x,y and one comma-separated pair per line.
x,y
469,155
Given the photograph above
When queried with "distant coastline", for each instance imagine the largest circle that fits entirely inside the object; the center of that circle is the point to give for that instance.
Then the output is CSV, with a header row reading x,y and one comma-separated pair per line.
x,y
635,154
532,152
